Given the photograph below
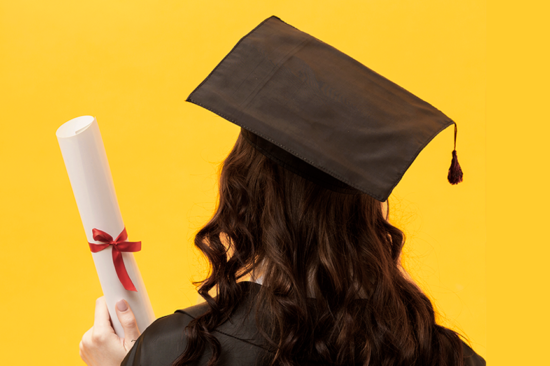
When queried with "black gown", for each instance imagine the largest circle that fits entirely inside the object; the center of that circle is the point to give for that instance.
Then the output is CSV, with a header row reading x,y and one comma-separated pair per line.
x,y
241,345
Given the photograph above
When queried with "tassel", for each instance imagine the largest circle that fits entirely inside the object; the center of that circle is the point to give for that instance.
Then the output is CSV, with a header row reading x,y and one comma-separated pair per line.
x,y
455,171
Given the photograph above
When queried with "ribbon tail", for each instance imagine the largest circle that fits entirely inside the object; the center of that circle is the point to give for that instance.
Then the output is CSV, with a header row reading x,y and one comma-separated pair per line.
x,y
121,270
129,246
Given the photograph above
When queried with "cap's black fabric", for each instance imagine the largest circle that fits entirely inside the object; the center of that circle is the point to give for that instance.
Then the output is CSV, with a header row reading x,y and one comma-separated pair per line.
x,y
321,106
296,165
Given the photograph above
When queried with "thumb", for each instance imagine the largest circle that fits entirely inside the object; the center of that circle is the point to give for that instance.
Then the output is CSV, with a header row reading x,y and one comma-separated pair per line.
x,y
128,322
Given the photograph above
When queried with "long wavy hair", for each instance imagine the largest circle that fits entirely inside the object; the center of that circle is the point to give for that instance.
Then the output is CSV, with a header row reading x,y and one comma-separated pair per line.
x,y
310,242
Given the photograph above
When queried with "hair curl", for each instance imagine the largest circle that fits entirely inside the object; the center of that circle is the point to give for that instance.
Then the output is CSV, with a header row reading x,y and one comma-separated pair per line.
x,y
313,242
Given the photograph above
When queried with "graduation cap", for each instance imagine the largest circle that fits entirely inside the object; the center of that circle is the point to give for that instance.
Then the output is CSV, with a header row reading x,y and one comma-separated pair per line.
x,y
320,113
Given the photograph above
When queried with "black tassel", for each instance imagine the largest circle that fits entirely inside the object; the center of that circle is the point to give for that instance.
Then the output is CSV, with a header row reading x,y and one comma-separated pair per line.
x,y
455,171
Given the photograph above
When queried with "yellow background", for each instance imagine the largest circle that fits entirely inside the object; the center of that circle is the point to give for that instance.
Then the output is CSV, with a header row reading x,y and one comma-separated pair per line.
x,y
131,64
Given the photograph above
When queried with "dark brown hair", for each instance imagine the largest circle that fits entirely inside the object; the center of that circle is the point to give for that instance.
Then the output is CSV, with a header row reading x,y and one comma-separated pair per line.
x,y
313,242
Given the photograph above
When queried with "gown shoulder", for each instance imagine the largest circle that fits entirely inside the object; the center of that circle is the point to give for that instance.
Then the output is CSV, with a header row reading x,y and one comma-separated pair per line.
x,y
161,343
165,340
471,358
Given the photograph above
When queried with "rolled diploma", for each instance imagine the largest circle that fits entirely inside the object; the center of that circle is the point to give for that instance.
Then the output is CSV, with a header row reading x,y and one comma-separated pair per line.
x,y
86,162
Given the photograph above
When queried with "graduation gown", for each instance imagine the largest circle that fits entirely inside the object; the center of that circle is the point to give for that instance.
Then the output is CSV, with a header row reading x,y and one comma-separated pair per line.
x,y
241,344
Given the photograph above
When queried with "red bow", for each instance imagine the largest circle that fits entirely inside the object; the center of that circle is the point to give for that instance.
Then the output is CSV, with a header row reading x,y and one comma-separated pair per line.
x,y
119,245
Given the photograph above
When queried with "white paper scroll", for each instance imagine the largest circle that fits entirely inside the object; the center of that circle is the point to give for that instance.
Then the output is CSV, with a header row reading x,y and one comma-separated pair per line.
x,y
90,176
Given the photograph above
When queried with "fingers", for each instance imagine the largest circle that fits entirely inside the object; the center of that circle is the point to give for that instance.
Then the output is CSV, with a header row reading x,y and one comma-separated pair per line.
x,y
100,346
102,320
128,322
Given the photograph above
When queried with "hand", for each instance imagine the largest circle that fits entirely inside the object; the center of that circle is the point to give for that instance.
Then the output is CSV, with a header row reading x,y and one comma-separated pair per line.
x,y
100,346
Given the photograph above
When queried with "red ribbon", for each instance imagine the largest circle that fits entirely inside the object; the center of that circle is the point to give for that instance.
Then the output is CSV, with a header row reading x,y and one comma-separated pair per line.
x,y
119,245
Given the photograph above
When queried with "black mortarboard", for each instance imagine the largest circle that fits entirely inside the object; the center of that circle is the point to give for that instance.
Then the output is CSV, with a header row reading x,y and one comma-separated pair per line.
x,y
319,112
